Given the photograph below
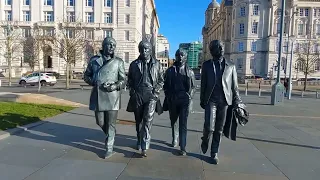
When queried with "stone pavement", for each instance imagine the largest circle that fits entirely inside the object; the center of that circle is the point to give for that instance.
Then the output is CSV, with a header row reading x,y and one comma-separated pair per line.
x,y
279,143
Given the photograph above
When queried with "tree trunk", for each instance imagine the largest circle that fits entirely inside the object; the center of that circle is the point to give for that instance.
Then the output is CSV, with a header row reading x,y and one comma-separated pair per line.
x,y
67,76
10,68
39,83
305,82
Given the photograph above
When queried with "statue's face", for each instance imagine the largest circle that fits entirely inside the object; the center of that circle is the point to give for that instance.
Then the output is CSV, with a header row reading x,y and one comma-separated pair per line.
x,y
145,50
109,48
181,56
216,48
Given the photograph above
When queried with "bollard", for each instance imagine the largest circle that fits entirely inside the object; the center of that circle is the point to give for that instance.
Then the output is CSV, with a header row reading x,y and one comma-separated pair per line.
x,y
302,93
246,92
317,94
259,92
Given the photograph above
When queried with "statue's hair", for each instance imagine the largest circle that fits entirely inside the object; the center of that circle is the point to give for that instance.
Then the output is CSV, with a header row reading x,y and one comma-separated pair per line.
x,y
107,40
215,43
142,43
181,50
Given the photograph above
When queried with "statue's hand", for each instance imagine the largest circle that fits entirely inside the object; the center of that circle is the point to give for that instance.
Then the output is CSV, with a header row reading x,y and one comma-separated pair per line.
x,y
240,111
110,87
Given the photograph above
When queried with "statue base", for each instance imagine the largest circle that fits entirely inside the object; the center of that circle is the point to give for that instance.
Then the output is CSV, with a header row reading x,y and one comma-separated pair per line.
x,y
277,94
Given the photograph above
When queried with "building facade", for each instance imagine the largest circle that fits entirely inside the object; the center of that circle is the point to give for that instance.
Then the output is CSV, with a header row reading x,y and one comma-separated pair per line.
x,y
128,21
163,47
194,51
251,31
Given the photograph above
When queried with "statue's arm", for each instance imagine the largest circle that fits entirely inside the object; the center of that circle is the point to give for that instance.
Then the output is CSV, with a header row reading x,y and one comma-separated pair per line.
x,y
193,84
203,83
130,79
166,82
235,88
121,76
160,82
88,74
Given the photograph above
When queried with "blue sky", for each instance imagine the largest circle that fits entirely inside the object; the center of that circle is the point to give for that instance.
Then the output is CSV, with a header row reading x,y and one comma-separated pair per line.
x,y
181,21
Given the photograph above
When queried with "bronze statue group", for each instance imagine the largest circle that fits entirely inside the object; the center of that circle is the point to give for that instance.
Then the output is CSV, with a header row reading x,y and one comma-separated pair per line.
x,y
219,95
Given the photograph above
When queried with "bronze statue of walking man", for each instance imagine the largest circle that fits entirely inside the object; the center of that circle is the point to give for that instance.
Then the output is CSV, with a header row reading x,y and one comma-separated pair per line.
x,y
145,81
106,73
219,89
179,87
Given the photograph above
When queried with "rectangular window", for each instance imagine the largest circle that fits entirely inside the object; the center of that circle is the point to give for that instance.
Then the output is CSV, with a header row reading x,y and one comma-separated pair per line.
x,y
107,33
26,16
126,57
89,3
107,17
318,29
242,11
306,12
127,18
70,3
89,17
254,46
48,2
239,63
300,12
127,3
70,33
278,28
107,3
252,63
71,17
300,29
241,29
127,35
26,32
89,34
255,28
48,16
48,32
8,2
240,46
26,2
314,12
255,10
8,15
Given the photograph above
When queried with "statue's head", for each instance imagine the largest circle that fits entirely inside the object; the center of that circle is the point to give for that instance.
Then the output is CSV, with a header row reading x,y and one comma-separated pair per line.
x,y
216,49
108,46
145,49
181,56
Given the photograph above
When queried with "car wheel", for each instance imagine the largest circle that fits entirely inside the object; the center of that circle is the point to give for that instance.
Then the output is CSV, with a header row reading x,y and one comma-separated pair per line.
x,y
23,83
43,83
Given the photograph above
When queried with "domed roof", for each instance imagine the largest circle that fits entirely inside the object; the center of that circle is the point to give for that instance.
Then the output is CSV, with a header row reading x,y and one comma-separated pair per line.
x,y
213,4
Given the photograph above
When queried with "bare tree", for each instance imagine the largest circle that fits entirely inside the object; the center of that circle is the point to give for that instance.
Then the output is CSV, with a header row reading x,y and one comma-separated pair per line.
x,y
68,42
11,44
33,49
308,55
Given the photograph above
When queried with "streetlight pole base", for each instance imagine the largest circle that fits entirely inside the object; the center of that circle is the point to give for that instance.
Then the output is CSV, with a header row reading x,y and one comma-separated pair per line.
x,y
277,94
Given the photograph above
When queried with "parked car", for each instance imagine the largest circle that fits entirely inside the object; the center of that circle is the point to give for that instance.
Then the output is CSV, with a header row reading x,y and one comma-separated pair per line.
x,y
33,79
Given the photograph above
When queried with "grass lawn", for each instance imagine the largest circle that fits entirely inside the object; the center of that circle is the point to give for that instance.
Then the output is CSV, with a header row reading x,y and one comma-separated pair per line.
x,y
17,114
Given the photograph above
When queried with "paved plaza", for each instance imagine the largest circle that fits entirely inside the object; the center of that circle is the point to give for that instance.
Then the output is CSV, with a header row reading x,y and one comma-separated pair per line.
x,y
279,143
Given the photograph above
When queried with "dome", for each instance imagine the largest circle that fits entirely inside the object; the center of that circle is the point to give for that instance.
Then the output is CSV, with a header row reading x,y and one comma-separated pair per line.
x,y
213,4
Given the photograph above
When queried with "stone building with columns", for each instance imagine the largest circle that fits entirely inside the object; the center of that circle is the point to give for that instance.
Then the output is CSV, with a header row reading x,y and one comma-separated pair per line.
x,y
128,21
251,32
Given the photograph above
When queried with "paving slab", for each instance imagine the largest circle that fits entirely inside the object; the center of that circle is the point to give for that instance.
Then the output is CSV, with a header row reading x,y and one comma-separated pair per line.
x,y
78,170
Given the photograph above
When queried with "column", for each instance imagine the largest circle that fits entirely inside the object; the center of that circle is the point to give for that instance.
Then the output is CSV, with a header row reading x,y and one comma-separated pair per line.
x,y
272,21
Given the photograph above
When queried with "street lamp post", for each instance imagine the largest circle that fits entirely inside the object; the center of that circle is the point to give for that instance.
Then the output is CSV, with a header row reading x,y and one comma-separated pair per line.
x,y
278,89
290,72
